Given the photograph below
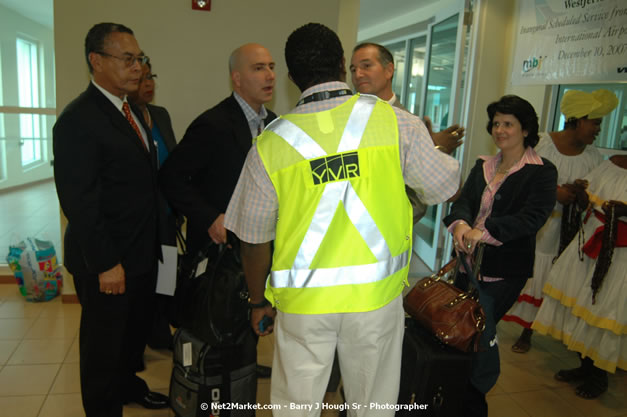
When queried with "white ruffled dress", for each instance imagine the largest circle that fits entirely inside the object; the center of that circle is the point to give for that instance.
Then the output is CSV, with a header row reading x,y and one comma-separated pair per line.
x,y
569,169
599,330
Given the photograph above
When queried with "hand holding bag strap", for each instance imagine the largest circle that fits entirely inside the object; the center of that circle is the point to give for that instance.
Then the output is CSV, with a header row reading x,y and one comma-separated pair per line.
x,y
476,265
473,272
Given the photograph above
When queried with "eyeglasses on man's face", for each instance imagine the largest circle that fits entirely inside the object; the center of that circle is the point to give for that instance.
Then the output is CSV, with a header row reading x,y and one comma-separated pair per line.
x,y
129,60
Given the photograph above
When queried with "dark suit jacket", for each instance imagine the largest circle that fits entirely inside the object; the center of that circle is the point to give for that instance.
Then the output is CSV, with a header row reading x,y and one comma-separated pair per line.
x,y
107,187
161,118
521,206
168,220
200,175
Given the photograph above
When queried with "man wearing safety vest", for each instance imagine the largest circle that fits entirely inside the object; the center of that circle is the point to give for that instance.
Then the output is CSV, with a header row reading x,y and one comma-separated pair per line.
x,y
326,183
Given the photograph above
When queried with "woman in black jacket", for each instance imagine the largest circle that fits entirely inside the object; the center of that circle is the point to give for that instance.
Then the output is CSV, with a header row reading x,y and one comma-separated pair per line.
x,y
504,202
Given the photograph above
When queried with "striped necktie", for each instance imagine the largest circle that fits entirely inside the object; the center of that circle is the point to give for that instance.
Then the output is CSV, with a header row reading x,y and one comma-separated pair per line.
x,y
127,112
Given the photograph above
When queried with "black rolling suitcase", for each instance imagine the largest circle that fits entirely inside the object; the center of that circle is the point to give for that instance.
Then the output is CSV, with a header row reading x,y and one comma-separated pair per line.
x,y
205,375
215,350
434,376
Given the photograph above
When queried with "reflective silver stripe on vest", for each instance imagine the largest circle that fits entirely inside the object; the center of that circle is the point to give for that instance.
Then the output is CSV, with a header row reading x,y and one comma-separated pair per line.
x,y
297,138
301,275
343,275
356,124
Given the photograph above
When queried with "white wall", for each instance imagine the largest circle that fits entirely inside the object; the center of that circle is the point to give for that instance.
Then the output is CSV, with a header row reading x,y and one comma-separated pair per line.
x,y
189,49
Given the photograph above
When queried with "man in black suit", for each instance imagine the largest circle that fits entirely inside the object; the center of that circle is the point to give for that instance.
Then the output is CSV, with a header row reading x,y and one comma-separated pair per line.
x,y
106,178
200,175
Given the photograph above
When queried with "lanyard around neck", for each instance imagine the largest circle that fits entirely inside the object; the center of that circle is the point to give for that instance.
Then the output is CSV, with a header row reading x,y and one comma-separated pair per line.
x,y
324,95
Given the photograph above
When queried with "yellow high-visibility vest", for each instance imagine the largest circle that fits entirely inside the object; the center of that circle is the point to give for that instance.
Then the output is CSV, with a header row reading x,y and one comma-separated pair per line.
x,y
343,234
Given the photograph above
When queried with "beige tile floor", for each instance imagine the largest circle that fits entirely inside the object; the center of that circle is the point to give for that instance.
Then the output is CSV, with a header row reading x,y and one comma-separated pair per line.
x,y
39,370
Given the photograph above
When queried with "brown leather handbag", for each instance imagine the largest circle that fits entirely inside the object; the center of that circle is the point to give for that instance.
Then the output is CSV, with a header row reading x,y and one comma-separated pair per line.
x,y
453,316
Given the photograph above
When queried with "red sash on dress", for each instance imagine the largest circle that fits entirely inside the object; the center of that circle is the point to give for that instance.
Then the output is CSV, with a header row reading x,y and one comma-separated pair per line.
x,y
592,248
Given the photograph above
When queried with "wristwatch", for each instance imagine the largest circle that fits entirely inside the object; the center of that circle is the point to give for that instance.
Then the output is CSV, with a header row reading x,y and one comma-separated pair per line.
x,y
262,304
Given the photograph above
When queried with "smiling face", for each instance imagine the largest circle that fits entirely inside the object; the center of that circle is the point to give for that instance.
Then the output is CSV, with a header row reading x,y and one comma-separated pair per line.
x,y
369,76
587,130
109,69
507,133
253,75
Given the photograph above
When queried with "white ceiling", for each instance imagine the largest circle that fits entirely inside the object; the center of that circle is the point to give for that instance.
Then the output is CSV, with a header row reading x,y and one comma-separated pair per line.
x,y
41,11
373,12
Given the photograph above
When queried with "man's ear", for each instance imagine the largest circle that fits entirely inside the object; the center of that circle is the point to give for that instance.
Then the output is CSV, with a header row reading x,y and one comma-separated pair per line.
x,y
96,61
236,77
389,70
343,69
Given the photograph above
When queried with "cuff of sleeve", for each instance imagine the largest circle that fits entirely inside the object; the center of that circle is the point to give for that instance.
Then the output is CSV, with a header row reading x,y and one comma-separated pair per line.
x,y
487,238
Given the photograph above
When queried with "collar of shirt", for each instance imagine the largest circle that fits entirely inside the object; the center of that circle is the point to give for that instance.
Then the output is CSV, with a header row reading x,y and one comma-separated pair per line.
x,y
393,99
117,101
491,162
316,106
255,120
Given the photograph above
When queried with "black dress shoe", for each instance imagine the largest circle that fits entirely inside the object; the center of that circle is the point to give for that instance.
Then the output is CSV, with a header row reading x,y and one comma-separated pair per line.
x,y
263,371
152,400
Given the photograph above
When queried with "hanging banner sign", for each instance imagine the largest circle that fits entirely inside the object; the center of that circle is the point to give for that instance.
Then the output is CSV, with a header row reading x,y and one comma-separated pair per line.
x,y
571,42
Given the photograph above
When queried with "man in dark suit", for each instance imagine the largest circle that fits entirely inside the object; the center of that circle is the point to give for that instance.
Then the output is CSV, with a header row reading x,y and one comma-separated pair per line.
x,y
200,175
106,178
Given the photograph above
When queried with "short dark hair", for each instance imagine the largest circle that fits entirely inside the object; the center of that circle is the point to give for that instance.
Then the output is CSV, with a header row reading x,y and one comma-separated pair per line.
x,y
385,56
95,39
314,54
572,122
522,110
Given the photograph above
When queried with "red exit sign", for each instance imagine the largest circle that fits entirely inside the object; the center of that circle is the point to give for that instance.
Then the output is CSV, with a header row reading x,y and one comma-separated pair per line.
x,y
201,5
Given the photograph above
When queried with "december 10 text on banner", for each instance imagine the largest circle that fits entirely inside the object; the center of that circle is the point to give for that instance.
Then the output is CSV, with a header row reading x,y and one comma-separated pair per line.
x,y
570,42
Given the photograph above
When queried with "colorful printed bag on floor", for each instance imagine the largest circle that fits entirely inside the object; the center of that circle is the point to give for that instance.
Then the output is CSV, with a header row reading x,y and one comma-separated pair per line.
x,y
34,265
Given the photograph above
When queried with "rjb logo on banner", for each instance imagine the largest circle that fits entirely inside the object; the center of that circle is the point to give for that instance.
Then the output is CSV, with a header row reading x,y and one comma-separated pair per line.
x,y
338,167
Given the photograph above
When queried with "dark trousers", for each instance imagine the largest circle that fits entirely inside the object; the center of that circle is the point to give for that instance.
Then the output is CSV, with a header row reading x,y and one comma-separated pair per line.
x,y
504,293
112,339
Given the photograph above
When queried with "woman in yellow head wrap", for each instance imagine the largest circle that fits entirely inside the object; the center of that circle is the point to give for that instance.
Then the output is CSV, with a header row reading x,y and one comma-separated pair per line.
x,y
568,149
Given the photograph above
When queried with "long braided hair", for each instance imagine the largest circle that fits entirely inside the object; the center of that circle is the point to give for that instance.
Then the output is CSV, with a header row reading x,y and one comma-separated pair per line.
x,y
571,224
610,232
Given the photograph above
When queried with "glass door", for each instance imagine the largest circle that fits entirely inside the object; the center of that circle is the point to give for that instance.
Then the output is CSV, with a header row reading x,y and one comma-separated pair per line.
x,y
442,97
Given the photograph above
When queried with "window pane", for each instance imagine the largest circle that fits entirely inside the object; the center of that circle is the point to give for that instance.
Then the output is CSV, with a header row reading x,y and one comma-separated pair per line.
x,y
3,158
418,47
441,65
398,53
28,96
27,74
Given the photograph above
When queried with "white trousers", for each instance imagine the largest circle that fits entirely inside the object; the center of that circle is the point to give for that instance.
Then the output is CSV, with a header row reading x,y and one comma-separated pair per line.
x,y
369,347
